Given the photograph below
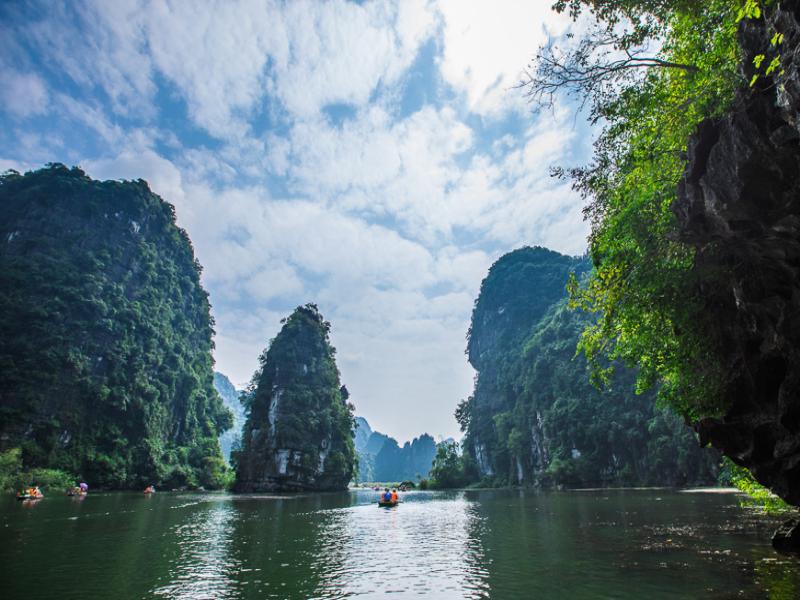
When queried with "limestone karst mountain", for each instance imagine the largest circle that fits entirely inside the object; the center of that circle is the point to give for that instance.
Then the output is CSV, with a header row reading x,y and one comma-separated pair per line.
x,y
299,432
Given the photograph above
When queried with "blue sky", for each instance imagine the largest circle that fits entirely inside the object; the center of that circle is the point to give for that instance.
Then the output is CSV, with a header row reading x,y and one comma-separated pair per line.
x,y
371,157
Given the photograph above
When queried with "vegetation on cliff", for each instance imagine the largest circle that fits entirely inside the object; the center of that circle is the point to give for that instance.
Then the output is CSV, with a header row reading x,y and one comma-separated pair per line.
x,y
449,469
299,429
534,417
105,340
642,286
691,193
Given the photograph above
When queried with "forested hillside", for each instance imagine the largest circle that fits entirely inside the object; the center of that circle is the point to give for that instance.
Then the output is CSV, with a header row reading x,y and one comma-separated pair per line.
x,y
105,341
534,417
299,429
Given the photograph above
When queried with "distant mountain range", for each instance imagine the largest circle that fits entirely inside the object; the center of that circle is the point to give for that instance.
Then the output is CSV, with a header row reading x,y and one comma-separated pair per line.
x,y
381,458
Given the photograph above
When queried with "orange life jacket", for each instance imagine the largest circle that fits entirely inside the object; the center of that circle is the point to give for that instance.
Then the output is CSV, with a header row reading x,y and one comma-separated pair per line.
x,y
394,496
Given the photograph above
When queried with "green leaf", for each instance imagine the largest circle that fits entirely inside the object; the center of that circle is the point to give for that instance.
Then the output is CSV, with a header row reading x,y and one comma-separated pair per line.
x,y
776,62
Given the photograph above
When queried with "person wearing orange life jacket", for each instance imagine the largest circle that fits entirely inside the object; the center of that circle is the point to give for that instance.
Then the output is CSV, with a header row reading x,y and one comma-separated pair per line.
x,y
394,496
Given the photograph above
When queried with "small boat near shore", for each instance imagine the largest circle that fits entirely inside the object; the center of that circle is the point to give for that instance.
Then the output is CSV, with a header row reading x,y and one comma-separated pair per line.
x,y
30,494
388,504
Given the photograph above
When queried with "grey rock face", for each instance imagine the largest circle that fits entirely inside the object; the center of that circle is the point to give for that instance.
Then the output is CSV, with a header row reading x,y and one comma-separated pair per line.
x,y
739,206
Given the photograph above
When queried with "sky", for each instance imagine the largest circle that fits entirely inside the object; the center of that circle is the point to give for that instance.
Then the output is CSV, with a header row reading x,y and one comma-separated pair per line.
x,y
374,158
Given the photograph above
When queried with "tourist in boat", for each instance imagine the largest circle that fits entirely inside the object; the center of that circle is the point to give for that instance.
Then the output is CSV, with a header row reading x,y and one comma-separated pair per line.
x,y
32,492
394,496
387,495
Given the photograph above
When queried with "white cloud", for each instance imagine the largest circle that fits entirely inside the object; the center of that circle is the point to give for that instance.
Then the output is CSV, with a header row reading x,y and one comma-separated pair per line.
x,y
387,219
340,51
488,44
22,94
273,281
223,57
162,176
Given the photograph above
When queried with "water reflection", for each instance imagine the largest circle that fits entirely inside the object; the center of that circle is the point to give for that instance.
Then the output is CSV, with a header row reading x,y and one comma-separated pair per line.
x,y
203,566
421,547
277,539
490,543
629,544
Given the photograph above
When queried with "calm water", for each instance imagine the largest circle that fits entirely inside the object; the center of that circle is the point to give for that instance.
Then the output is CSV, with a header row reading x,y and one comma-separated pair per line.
x,y
484,544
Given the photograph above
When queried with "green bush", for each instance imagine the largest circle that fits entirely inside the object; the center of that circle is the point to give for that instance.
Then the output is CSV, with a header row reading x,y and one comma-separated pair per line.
x,y
757,495
14,478
49,480
215,474
448,467
10,467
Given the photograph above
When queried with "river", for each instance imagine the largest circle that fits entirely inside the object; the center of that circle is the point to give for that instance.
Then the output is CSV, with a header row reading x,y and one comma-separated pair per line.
x,y
476,544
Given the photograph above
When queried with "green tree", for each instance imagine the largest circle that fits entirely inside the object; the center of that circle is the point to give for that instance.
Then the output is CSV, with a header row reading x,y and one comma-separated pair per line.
x,y
447,470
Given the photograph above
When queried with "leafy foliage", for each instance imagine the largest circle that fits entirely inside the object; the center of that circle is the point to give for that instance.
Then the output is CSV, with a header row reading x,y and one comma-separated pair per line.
x,y
643,287
757,495
448,470
105,340
13,476
534,417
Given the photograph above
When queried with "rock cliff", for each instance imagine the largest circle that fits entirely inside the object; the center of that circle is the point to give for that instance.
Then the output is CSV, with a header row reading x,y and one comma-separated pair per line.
x,y
534,418
739,206
105,334
299,432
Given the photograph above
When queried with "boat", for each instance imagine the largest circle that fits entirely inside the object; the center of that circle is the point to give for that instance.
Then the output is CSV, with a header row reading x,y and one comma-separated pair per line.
x,y
30,495
388,504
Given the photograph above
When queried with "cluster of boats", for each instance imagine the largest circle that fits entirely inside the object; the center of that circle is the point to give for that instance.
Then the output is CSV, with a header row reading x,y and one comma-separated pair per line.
x,y
80,490
34,493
